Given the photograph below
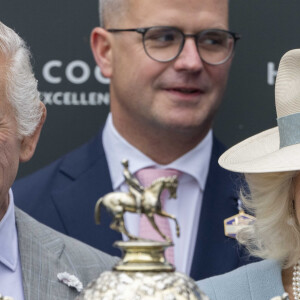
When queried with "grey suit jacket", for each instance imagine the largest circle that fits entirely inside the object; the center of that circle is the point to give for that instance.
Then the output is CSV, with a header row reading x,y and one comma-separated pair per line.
x,y
256,281
44,253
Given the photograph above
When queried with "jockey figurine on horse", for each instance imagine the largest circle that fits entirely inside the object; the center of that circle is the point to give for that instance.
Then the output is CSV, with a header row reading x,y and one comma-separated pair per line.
x,y
139,199
135,188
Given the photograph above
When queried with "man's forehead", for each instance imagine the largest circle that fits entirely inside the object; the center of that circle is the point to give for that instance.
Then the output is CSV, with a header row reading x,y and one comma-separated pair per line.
x,y
131,4
205,13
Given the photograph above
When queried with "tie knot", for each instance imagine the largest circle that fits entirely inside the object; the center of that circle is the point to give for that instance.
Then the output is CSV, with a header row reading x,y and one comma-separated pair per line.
x,y
148,175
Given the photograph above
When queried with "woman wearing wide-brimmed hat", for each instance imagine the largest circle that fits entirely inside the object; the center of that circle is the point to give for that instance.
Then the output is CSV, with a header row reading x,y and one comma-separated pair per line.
x,y
271,163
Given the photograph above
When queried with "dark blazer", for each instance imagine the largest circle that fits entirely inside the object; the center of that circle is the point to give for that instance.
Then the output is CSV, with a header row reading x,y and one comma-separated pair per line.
x,y
63,196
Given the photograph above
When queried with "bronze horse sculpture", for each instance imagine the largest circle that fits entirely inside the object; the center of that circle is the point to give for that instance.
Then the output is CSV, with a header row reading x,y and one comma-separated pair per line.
x,y
117,203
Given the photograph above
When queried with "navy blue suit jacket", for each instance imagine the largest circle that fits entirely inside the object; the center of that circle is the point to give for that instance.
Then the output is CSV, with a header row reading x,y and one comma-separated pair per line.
x,y
63,196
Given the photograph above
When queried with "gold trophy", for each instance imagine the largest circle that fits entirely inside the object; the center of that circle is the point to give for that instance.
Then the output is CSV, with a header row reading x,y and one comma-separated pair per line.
x,y
143,273
5,298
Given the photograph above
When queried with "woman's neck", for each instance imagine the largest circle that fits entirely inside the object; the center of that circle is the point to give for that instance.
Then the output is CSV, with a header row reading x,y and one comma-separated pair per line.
x,y
287,280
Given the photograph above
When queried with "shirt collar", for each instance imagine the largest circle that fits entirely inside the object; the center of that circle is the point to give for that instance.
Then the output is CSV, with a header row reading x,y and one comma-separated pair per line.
x,y
195,162
8,237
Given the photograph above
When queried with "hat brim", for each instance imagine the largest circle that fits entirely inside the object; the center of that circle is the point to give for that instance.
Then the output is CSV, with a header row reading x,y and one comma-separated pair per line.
x,y
261,154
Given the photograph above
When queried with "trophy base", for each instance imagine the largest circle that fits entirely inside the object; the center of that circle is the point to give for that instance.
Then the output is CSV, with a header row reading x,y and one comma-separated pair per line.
x,y
142,285
144,256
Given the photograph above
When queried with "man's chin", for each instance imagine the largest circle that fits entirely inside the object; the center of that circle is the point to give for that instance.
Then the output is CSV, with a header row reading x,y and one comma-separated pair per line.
x,y
184,127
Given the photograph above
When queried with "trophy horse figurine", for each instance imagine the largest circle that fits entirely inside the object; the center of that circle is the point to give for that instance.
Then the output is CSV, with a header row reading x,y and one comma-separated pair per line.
x,y
138,200
143,272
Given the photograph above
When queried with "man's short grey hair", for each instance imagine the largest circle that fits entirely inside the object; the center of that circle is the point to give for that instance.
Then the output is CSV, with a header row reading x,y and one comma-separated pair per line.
x,y
20,83
110,11
276,232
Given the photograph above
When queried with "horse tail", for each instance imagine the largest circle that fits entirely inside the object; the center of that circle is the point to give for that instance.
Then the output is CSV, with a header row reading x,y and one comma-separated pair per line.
x,y
97,211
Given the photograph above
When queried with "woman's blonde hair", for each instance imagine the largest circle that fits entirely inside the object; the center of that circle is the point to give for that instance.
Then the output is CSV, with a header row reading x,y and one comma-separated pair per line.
x,y
276,232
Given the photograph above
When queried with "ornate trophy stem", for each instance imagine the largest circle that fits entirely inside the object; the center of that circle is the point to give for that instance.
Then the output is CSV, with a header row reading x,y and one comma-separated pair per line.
x,y
142,256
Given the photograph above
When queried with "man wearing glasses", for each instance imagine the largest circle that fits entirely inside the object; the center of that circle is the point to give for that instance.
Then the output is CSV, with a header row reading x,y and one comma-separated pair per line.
x,y
168,62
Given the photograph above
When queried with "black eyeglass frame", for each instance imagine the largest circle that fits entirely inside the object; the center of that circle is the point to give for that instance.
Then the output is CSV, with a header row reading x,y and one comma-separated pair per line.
x,y
196,36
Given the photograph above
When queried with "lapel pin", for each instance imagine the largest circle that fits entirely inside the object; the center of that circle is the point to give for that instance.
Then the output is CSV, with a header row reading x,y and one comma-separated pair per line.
x,y
235,223
70,281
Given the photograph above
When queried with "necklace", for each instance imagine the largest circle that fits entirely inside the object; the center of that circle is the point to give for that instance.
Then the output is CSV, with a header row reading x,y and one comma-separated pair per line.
x,y
296,281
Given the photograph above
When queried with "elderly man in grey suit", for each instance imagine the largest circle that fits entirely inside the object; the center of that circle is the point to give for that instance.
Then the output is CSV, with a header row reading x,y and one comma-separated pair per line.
x,y
36,262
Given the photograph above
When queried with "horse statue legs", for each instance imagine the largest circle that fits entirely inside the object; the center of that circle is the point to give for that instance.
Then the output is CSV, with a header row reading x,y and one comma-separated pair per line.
x,y
116,210
162,213
118,224
150,217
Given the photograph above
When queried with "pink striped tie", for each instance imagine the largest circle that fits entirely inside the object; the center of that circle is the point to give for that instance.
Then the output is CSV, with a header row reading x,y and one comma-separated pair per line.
x,y
146,177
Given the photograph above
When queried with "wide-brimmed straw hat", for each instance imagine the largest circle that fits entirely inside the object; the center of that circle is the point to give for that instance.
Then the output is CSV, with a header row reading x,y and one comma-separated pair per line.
x,y
276,149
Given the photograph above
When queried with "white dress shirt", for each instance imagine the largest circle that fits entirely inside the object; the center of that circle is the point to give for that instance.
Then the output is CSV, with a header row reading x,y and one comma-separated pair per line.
x,y
11,283
187,207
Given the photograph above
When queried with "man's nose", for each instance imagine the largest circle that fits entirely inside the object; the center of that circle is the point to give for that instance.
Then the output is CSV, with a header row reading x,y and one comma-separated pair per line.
x,y
189,58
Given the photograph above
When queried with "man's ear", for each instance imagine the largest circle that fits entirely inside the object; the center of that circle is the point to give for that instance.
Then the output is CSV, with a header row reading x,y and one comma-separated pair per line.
x,y
102,51
28,143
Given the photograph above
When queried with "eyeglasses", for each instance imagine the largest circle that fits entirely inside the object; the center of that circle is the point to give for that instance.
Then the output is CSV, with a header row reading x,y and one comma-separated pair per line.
x,y
164,43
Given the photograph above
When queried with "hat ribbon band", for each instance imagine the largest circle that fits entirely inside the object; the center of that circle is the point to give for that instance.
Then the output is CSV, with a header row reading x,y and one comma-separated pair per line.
x,y
289,130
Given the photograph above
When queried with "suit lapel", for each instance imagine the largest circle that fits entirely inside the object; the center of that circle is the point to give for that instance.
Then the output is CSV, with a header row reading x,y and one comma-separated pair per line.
x,y
89,180
39,254
214,253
